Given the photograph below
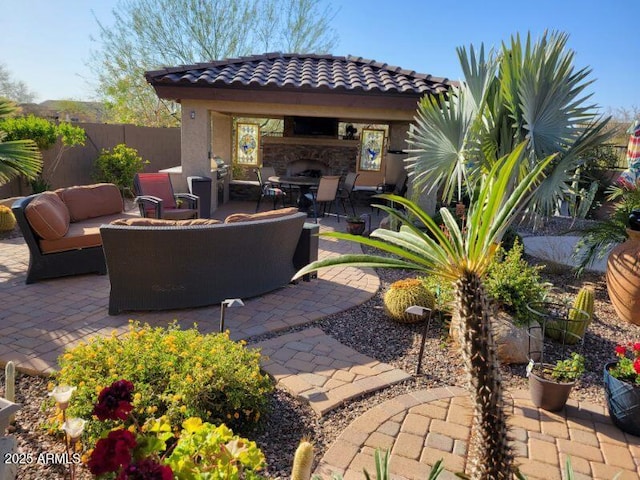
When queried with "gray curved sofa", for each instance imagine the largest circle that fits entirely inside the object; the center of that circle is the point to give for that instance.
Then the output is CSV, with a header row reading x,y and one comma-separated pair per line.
x,y
171,267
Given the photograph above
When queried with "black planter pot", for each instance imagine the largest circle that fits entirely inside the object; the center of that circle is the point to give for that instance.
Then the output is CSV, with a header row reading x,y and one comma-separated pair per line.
x,y
355,228
548,394
623,401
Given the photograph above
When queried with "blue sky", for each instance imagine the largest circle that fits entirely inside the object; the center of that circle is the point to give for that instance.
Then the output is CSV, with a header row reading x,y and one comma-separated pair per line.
x,y
46,43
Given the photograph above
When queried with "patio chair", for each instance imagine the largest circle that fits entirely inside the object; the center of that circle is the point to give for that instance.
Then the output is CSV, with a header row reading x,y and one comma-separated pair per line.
x,y
268,189
346,192
156,198
399,188
326,194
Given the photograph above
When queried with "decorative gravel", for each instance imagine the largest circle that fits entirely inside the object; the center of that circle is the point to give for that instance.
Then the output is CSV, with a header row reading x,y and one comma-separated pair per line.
x,y
367,330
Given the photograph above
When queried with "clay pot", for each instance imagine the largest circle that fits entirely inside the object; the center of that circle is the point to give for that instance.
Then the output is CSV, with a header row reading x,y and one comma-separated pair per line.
x,y
623,278
548,394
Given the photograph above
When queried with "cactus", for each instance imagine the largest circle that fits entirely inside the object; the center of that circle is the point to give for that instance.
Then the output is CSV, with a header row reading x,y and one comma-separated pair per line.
x,y
10,384
403,294
302,461
7,219
579,318
580,315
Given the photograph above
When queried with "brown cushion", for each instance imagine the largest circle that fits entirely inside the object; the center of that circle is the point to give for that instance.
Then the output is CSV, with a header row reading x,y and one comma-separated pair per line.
x,y
90,201
154,222
144,222
198,221
248,217
48,216
78,236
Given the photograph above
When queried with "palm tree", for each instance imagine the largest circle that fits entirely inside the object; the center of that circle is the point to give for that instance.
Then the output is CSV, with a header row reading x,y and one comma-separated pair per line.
x,y
524,92
462,257
18,157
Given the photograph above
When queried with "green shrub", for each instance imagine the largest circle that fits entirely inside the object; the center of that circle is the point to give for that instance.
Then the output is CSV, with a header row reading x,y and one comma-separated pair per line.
x,y
40,130
207,451
513,283
119,166
442,291
177,373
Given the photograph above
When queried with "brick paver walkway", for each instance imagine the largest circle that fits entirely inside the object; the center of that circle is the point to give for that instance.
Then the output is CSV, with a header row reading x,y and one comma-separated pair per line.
x,y
422,427
319,370
38,321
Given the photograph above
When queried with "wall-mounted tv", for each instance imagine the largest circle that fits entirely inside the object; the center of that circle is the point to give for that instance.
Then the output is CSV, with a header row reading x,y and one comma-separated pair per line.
x,y
315,126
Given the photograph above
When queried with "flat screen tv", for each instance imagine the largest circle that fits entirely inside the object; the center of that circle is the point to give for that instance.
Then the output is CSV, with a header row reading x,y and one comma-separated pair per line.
x,y
315,126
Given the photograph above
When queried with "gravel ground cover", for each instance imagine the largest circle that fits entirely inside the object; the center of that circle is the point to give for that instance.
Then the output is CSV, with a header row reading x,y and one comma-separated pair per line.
x,y
367,330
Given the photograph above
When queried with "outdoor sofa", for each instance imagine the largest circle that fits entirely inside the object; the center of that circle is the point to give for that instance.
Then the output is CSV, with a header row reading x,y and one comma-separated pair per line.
x,y
62,229
157,267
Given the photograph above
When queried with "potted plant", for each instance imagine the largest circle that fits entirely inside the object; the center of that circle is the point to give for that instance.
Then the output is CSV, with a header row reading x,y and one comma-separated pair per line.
x,y
550,385
355,225
622,388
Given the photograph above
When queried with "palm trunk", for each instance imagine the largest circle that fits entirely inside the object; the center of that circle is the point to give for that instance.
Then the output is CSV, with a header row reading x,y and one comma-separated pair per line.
x,y
490,455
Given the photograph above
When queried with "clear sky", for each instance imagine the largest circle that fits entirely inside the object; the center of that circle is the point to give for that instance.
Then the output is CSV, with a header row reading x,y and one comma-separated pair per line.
x,y
46,43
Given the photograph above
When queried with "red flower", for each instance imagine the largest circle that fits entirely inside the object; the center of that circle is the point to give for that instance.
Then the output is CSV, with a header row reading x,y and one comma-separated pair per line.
x,y
620,350
636,365
146,469
114,402
112,452
636,348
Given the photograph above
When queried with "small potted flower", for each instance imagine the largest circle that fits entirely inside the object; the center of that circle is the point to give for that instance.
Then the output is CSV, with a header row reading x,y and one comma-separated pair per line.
x,y
550,385
622,388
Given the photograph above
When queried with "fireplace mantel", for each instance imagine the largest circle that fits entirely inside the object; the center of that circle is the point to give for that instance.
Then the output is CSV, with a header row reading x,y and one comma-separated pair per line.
x,y
310,141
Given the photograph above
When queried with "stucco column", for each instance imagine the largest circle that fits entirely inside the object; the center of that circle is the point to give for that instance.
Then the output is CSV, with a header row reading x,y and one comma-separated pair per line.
x,y
398,135
195,142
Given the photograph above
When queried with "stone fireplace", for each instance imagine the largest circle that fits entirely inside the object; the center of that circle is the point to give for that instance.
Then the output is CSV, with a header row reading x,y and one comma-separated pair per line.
x,y
290,156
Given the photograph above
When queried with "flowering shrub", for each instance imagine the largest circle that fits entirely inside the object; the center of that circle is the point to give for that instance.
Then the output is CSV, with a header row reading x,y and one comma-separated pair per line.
x,y
627,369
177,373
152,451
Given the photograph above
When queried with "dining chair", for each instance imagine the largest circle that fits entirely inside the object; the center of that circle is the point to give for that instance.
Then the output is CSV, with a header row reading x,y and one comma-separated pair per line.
x,y
156,198
346,192
326,194
268,189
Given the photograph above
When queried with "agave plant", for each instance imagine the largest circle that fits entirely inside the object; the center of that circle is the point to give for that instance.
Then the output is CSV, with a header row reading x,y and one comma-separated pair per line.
x,y
461,256
18,157
529,91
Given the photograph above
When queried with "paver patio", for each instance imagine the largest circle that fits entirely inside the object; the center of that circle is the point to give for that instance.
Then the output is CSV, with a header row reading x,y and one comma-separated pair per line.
x,y
422,427
38,321
319,370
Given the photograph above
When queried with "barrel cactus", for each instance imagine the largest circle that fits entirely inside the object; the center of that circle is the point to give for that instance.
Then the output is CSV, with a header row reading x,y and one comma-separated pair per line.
x,y
7,219
403,294
579,318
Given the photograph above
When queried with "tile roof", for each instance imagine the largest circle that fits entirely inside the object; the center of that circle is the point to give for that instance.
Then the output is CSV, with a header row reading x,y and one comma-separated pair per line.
x,y
301,71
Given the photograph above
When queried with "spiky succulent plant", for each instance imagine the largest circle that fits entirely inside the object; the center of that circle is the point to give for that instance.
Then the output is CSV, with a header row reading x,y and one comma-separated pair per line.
x,y
461,256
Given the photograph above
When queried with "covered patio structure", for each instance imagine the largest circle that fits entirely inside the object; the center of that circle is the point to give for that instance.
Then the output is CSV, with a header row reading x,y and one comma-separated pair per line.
x,y
315,98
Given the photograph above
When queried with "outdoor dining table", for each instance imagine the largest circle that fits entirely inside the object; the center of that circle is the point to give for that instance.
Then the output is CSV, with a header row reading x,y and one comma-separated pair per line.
x,y
301,182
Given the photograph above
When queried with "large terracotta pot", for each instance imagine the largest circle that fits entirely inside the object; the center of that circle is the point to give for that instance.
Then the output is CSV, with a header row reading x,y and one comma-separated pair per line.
x,y
623,278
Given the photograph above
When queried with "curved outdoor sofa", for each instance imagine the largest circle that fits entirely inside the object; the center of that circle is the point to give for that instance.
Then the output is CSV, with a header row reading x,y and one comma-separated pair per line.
x,y
172,267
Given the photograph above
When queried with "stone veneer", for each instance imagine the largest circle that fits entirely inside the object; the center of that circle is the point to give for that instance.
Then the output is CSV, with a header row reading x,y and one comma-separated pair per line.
x,y
341,160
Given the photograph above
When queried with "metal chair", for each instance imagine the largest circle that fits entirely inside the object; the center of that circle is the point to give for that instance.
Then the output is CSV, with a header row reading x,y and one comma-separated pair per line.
x,y
267,189
156,198
346,192
325,194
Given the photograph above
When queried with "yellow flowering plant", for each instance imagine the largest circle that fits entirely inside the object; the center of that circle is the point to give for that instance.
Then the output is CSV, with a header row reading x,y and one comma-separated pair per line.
x,y
177,373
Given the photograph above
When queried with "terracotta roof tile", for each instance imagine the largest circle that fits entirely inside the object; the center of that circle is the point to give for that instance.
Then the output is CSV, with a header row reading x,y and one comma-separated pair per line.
x,y
302,71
